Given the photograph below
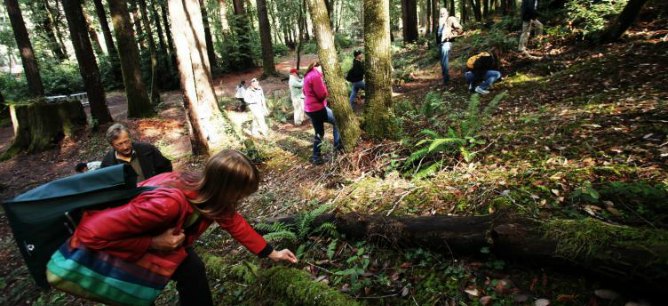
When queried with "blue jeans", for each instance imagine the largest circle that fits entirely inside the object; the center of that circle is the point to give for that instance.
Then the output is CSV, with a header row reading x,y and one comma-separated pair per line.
x,y
490,77
356,87
444,52
318,119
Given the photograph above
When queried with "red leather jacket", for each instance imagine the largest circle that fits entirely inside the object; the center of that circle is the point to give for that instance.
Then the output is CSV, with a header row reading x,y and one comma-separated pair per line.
x,y
126,231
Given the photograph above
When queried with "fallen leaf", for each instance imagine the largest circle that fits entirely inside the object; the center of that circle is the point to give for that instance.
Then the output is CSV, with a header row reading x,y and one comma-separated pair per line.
x,y
473,292
485,300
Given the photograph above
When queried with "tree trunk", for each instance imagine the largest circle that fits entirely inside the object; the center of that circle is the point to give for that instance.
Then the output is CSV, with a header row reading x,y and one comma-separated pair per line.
x,y
265,39
136,21
207,37
109,41
428,18
30,67
155,94
56,20
94,40
239,7
378,117
475,5
485,8
138,103
210,129
300,29
223,16
434,17
164,50
39,126
86,58
44,25
168,34
345,118
463,11
409,19
639,257
623,21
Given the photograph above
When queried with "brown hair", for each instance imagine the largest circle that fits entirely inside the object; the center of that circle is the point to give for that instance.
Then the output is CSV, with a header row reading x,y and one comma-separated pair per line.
x,y
229,177
312,65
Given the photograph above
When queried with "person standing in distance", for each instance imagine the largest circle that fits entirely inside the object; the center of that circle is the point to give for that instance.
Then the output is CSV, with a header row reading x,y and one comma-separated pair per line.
x,y
529,22
448,29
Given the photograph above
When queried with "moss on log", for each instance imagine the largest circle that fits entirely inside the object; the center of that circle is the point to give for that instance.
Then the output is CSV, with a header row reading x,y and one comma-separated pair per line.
x,y
39,126
280,285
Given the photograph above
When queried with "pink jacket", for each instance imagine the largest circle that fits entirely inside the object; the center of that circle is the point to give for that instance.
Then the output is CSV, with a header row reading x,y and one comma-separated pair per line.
x,y
315,92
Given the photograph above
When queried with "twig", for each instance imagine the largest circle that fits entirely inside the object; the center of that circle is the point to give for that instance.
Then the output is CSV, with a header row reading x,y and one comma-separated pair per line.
x,y
377,297
319,267
403,195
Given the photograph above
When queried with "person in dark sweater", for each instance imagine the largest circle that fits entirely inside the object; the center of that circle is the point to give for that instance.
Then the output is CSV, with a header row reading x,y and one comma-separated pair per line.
x,y
356,76
144,158
529,22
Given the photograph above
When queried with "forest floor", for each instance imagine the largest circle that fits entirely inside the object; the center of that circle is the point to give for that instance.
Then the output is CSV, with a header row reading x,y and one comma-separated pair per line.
x,y
580,123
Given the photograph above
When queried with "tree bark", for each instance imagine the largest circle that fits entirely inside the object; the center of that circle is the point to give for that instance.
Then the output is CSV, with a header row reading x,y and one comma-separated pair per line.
x,y
155,94
463,11
136,21
30,67
638,261
56,17
139,104
428,18
168,34
210,129
86,58
268,67
207,37
39,126
434,17
109,41
379,121
623,21
94,40
239,7
475,6
409,19
345,118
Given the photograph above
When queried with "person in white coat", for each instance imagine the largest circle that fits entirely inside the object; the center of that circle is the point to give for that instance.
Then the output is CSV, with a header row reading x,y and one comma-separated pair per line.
x,y
254,98
297,95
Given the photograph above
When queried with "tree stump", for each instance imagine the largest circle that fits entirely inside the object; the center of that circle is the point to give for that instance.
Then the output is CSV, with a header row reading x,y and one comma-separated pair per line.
x,y
39,126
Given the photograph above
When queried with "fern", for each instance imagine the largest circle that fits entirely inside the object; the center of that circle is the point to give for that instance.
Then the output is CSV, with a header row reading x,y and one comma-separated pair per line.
x,y
327,228
331,248
274,227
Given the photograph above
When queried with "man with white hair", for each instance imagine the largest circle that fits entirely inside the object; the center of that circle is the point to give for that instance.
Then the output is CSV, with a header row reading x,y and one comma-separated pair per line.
x,y
448,29
254,98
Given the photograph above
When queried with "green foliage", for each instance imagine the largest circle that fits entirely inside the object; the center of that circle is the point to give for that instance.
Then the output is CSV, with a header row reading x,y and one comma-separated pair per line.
x,y
460,138
588,19
310,47
241,45
302,227
342,42
280,49
297,288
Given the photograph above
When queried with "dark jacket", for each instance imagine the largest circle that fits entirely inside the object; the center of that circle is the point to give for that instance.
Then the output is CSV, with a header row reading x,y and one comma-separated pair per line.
x,y
529,9
151,160
356,73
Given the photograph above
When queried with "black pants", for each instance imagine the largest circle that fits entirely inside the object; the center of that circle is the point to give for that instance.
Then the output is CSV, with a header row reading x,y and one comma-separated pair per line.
x,y
191,281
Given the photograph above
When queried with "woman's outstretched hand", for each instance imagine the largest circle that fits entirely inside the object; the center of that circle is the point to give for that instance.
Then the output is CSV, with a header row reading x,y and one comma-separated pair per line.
x,y
283,254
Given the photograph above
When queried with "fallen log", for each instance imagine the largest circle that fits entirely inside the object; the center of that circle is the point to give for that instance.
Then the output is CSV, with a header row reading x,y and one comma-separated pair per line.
x,y
635,256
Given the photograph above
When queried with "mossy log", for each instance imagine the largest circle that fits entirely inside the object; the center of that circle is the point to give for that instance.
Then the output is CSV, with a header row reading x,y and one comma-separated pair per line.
x,y
281,285
39,126
630,255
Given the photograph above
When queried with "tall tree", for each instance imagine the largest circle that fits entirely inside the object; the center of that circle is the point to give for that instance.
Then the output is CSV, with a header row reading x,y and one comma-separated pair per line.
x,y
86,58
242,27
223,16
112,53
168,34
345,118
409,20
94,40
30,67
58,23
138,102
155,94
136,21
207,36
378,117
623,21
210,128
44,26
428,16
265,39
434,16
475,6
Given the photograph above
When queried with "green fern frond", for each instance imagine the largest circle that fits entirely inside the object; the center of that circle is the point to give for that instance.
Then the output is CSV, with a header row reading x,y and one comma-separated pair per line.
x,y
331,248
327,228
433,168
438,144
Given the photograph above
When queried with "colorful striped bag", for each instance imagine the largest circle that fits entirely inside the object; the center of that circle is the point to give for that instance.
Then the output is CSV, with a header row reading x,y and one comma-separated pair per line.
x,y
104,278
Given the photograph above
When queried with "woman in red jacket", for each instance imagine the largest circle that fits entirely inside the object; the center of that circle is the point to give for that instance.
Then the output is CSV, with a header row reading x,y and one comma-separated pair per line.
x,y
164,223
315,106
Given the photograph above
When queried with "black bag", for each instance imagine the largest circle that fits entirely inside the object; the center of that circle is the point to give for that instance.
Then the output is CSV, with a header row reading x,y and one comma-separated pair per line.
x,y
44,217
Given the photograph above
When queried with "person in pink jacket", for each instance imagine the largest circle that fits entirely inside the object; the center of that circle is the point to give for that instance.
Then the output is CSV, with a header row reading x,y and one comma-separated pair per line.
x,y
315,106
